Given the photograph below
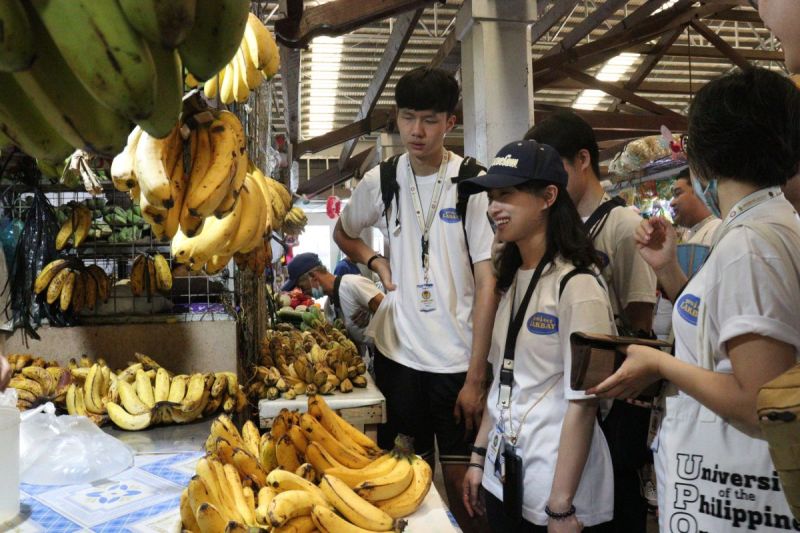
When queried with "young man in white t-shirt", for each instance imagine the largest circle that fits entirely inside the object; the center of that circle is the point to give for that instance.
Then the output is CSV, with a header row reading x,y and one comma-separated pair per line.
x,y
632,291
350,294
433,330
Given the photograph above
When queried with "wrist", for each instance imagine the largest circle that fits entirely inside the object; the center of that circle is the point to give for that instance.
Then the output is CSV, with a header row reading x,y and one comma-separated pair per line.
x,y
554,514
558,503
372,260
477,459
476,375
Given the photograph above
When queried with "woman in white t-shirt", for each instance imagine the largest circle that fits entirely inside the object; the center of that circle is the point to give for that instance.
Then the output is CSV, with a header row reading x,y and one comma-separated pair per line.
x,y
735,321
565,474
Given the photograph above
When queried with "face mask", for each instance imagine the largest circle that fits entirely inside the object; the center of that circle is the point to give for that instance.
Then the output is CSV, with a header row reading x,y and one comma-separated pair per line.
x,y
317,292
709,195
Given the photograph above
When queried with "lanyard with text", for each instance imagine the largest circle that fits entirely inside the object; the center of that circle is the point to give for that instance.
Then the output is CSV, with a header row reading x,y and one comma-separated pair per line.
x,y
425,223
749,202
514,325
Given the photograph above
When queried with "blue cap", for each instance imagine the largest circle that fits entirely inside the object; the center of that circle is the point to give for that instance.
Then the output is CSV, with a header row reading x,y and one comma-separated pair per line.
x,y
298,266
520,162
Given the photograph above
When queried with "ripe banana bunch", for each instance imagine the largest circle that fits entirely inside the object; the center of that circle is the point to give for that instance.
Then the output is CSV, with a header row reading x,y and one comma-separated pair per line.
x,y
76,226
150,272
37,381
72,284
257,58
295,221
92,397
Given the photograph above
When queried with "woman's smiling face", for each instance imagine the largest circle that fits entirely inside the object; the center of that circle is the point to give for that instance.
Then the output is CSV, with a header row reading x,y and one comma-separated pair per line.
x,y
516,213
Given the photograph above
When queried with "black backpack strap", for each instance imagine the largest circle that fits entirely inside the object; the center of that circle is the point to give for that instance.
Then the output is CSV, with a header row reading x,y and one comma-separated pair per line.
x,y
469,168
335,296
601,213
390,190
571,274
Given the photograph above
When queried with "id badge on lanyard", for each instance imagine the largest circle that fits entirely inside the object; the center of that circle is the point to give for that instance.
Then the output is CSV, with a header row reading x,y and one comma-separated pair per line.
x,y
425,291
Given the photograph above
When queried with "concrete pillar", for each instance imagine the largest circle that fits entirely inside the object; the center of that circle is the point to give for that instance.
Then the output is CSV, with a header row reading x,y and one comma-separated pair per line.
x,y
496,78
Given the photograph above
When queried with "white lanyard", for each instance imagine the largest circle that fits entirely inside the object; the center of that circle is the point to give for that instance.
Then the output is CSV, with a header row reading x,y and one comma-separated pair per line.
x,y
748,202
426,223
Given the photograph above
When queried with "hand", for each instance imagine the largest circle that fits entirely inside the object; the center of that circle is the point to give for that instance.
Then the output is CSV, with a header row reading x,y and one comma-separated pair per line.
x,y
568,525
497,250
361,317
638,371
471,492
5,373
657,242
469,407
381,267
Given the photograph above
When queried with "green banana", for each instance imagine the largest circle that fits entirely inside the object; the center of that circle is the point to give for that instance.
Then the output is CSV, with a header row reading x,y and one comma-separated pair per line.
x,y
108,56
215,37
26,126
71,110
16,41
169,84
164,23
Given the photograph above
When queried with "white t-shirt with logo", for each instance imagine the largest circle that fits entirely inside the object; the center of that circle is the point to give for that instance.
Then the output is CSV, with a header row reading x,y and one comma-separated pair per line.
x,y
703,231
542,358
439,340
355,293
628,277
711,476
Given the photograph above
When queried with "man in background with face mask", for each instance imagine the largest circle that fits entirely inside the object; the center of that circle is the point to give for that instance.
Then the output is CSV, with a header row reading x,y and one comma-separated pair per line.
x,y
350,294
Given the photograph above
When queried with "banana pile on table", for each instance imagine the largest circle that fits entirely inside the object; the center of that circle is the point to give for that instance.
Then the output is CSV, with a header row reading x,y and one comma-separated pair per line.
x,y
37,381
69,284
292,362
256,59
145,394
310,471
150,272
219,208
67,88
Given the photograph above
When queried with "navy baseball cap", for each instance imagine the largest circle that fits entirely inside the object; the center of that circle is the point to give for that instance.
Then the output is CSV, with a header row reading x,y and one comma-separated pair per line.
x,y
520,162
298,266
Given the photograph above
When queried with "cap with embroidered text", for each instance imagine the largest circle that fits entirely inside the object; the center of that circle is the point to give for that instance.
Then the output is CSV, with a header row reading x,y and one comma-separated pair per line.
x,y
517,163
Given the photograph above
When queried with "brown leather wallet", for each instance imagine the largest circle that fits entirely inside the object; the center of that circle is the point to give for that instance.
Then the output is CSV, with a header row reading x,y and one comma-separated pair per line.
x,y
597,356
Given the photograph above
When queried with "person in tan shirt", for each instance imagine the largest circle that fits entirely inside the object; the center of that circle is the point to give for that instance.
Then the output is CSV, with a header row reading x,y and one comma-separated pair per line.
x,y
690,212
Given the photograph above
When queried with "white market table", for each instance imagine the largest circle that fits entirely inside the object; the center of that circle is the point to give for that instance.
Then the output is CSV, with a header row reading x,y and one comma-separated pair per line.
x,y
364,408
146,499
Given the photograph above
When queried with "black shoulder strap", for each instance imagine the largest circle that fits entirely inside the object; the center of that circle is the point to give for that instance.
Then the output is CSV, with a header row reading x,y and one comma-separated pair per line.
x,y
390,189
335,295
571,274
469,169
601,212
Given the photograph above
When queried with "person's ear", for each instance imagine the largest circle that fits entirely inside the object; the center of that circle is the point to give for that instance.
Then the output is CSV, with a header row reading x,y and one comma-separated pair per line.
x,y
583,160
451,122
550,194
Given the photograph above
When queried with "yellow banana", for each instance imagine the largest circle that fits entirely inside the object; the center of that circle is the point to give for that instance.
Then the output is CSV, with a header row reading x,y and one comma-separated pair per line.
x,y
165,24
256,40
124,420
177,389
17,47
251,219
78,293
224,427
194,392
248,465
102,280
66,231
226,498
344,455
290,504
265,496
151,276
209,519
91,390
210,87
47,274
253,76
74,401
266,453
338,427
327,521
42,377
151,171
66,291
90,288
251,437
163,273
409,501
161,390
353,507
317,460
84,224
226,77
354,477
215,35
388,485
286,454
241,91
205,194
178,181
137,275
235,488
187,515
129,399
206,474
112,60
212,238
144,389
298,524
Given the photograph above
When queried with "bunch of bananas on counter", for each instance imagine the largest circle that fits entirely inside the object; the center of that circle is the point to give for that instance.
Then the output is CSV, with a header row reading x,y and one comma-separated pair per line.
x,y
128,68
309,471
256,59
295,221
150,272
320,360
145,394
72,284
37,381
75,228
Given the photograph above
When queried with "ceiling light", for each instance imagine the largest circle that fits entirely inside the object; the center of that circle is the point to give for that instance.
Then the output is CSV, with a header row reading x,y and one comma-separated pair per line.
x,y
614,70
326,58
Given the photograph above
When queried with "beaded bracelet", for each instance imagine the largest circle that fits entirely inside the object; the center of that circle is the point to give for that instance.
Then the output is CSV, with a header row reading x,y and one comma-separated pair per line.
x,y
559,516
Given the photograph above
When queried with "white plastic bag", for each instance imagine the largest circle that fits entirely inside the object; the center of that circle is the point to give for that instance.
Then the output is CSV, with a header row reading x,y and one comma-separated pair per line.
x,y
67,450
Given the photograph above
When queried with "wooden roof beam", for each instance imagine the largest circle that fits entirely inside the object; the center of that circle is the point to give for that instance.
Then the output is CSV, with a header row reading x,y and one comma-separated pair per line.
x,y
549,19
334,175
614,90
585,27
335,18
658,86
401,32
720,44
621,122
680,50
377,120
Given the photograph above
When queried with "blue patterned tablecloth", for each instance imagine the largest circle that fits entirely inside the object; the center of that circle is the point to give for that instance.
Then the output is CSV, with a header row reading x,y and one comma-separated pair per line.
x,y
142,499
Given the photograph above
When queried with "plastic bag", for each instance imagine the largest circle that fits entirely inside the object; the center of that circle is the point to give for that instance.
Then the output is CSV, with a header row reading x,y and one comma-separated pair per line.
x,y
67,450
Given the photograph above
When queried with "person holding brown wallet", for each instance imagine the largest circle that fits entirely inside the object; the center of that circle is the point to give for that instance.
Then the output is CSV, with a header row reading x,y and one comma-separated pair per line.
x,y
539,453
735,320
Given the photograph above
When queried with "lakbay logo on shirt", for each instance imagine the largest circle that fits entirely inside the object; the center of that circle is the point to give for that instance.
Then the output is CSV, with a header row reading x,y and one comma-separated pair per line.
x,y
543,324
449,215
689,307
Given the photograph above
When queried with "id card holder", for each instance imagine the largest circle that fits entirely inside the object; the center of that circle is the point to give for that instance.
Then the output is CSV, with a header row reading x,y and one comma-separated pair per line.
x,y
493,452
513,482
425,299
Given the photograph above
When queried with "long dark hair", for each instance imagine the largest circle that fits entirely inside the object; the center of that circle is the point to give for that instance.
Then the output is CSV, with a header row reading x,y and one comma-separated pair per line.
x,y
566,236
